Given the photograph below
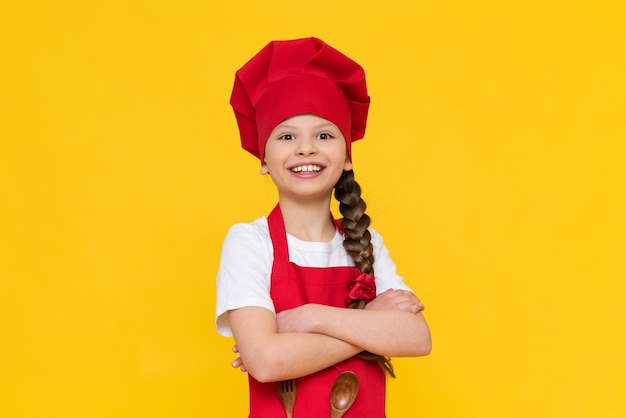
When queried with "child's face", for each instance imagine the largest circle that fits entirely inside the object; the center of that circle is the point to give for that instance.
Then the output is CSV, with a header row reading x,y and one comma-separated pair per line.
x,y
305,156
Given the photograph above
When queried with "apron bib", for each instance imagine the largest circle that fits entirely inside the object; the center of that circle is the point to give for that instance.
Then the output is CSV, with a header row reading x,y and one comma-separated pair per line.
x,y
292,286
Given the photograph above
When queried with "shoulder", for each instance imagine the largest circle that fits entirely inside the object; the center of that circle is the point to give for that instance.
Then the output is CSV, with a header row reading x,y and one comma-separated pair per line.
x,y
387,276
381,253
256,230
377,239
247,239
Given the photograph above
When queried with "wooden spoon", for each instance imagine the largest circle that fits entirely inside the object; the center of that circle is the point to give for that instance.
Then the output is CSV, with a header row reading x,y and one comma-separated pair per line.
x,y
343,394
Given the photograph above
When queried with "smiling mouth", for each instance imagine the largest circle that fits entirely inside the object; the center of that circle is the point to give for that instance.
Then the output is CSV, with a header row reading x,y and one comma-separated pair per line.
x,y
310,168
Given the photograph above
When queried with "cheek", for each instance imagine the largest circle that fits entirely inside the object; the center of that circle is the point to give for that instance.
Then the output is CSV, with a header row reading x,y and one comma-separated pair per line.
x,y
275,150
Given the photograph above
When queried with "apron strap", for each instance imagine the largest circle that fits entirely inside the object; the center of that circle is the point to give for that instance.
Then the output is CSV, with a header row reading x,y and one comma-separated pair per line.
x,y
276,226
278,234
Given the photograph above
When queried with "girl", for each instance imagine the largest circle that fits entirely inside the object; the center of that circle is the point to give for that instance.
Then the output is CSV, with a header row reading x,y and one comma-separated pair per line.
x,y
285,281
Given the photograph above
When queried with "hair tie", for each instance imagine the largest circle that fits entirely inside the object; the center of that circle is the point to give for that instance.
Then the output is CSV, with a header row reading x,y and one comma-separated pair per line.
x,y
362,287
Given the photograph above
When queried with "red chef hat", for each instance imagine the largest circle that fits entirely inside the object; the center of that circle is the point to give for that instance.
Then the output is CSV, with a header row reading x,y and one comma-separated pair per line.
x,y
288,78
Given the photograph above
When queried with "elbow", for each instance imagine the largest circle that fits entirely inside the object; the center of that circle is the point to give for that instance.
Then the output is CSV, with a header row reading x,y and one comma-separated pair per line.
x,y
264,370
421,347
418,345
262,375
423,344
424,347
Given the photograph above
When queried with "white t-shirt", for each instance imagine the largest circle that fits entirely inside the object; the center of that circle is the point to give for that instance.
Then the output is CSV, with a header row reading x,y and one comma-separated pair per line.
x,y
243,278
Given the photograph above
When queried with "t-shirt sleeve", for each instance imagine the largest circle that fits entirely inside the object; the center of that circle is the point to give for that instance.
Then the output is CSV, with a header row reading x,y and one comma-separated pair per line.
x,y
384,267
243,278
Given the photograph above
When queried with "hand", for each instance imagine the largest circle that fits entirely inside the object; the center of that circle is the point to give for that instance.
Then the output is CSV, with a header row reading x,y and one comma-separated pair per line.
x,y
237,363
402,300
297,319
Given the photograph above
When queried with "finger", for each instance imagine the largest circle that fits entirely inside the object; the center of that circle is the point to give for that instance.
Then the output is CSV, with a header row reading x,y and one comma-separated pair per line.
x,y
415,300
403,305
418,306
418,303
235,349
237,363
409,305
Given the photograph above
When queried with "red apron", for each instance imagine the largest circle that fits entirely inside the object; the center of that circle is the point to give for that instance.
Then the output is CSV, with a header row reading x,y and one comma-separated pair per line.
x,y
292,286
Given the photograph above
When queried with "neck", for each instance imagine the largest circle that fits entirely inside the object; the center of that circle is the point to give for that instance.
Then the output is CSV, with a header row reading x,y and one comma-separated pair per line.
x,y
308,221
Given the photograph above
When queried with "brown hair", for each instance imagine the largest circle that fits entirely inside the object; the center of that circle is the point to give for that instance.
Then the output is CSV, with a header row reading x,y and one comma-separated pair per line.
x,y
358,241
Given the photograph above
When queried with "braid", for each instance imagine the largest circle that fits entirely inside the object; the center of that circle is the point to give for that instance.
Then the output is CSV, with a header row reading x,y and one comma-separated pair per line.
x,y
355,222
358,241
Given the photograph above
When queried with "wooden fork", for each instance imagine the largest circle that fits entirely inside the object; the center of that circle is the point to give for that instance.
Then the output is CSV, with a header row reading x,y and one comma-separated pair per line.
x,y
287,395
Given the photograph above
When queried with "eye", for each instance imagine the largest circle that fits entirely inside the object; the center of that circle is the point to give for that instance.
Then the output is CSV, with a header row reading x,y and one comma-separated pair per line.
x,y
325,135
286,137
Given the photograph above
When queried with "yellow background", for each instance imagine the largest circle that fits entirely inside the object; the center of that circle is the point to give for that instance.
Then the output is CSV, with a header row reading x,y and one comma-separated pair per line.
x,y
494,165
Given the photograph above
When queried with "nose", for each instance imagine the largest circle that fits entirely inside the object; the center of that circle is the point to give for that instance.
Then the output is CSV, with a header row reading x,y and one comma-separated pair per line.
x,y
307,147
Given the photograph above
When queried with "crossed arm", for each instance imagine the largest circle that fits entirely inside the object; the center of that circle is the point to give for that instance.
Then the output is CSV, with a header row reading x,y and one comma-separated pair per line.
x,y
312,337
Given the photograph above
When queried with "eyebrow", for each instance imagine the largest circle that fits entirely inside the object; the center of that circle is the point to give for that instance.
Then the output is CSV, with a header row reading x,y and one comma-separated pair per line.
x,y
319,126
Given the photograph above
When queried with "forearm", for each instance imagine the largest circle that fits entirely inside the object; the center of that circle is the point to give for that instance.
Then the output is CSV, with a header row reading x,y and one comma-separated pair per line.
x,y
271,356
393,333
293,355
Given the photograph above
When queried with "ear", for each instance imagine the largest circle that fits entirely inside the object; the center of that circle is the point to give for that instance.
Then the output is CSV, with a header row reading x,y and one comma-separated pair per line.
x,y
264,169
347,165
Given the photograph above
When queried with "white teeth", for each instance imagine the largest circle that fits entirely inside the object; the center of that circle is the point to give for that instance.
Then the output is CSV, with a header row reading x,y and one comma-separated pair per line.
x,y
306,168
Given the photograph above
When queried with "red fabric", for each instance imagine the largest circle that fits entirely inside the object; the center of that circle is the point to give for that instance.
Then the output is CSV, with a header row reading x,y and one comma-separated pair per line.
x,y
363,287
292,286
294,77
